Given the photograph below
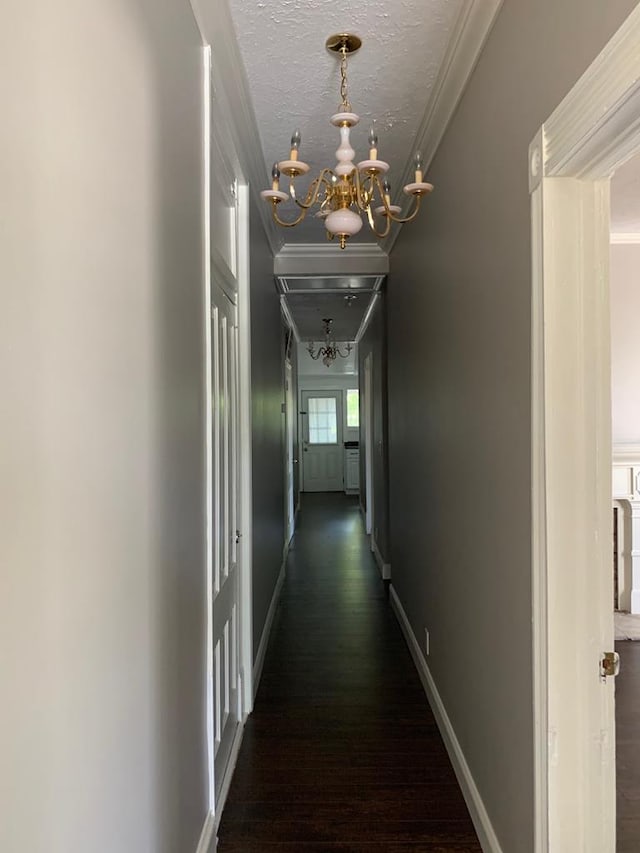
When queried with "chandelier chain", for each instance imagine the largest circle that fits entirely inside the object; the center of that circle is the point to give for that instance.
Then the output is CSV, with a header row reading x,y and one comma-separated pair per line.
x,y
346,106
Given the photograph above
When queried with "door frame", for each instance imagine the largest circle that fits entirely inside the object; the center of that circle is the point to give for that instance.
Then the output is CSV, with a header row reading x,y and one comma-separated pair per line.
x,y
245,448
244,485
368,445
594,130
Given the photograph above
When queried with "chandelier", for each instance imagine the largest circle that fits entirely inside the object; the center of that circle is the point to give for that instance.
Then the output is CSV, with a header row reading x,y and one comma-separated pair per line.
x,y
330,351
344,193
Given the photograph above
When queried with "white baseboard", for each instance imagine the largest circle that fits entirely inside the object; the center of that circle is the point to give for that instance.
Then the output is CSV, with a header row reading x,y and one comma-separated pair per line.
x,y
486,834
208,841
268,623
226,784
385,568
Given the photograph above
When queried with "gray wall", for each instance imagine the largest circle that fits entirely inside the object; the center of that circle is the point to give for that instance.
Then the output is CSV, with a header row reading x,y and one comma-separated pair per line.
x,y
459,364
374,342
625,361
102,551
267,389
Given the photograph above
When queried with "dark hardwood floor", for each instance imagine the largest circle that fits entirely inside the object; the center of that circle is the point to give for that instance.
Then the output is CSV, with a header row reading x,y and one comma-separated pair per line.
x,y
342,752
628,748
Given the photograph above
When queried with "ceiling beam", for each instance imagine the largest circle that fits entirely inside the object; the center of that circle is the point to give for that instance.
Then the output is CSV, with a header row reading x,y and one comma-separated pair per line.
x,y
317,260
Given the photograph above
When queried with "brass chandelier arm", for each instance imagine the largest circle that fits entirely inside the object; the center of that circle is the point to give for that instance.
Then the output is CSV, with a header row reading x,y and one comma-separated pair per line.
x,y
307,204
364,196
402,219
274,211
314,189
392,216
380,234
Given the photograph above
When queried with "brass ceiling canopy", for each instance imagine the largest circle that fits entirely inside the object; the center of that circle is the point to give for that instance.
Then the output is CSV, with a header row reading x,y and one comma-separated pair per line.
x,y
344,42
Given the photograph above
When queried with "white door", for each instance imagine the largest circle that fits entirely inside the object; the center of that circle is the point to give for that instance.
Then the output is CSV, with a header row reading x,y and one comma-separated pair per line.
x,y
227,659
226,692
323,459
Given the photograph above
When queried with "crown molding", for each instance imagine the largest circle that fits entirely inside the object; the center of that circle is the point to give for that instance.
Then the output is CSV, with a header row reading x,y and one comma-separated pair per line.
x,y
600,114
324,259
330,249
289,318
467,41
375,297
620,238
232,103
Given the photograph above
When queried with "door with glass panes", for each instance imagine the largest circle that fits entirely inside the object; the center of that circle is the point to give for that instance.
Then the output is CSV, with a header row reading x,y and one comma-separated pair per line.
x,y
323,451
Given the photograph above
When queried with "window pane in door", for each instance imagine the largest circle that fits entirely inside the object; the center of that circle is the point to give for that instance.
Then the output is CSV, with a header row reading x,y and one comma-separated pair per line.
x,y
323,420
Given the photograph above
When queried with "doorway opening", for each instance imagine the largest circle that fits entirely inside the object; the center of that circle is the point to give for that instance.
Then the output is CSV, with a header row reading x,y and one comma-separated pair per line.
x,y
625,380
591,134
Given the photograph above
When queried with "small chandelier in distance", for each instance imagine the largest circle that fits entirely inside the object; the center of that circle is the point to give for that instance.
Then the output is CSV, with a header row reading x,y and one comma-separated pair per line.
x,y
330,350
345,192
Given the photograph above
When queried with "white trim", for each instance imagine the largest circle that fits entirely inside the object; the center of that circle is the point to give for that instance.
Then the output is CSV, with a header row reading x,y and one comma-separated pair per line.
x,y
324,259
479,815
595,129
291,283
626,453
289,318
268,624
368,251
367,317
385,568
207,843
624,238
228,776
208,417
624,555
232,102
469,36
538,547
245,449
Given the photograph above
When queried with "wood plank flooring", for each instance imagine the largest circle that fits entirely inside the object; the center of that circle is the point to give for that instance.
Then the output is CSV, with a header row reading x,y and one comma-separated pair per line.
x,y
342,752
628,748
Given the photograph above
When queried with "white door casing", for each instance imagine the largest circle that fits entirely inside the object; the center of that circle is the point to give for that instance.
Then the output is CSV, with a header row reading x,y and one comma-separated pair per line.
x,y
593,131
227,710
228,451
323,450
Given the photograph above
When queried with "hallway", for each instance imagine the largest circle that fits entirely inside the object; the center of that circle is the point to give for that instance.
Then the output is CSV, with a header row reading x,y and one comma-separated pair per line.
x,y
341,752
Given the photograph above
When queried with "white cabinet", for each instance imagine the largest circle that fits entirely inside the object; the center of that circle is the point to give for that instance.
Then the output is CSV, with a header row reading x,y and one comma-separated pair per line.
x,y
351,469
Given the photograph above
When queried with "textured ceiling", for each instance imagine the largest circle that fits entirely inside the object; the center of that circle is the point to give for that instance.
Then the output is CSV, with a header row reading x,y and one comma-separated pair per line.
x,y
308,312
625,198
294,80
